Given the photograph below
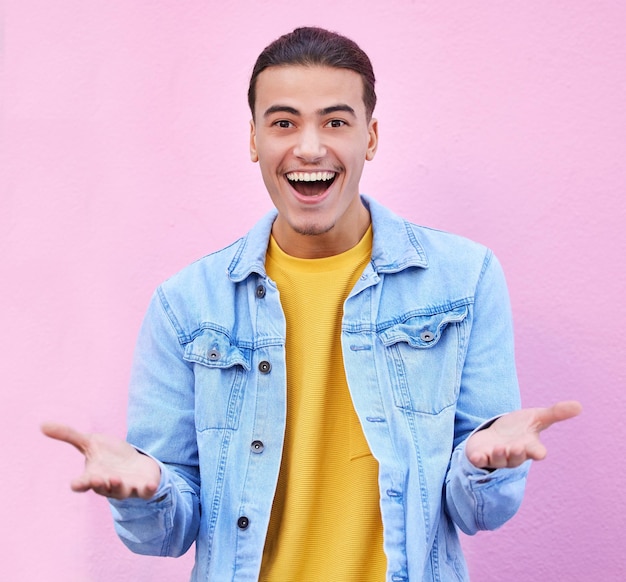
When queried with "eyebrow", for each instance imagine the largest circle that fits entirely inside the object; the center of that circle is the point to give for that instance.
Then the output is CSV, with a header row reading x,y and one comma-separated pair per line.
x,y
280,109
320,112
335,108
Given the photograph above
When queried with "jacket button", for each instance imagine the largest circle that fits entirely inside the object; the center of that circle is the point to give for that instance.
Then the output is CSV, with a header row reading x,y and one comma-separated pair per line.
x,y
427,336
214,355
243,522
257,446
260,291
265,367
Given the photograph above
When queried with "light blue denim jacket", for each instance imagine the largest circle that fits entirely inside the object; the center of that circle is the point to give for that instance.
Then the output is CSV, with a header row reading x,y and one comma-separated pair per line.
x,y
428,352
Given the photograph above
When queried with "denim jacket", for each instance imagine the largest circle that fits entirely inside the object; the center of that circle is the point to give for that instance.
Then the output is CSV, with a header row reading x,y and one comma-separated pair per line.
x,y
428,353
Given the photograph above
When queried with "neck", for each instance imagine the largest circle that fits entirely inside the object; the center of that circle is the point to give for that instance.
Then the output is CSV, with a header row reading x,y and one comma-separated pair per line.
x,y
336,240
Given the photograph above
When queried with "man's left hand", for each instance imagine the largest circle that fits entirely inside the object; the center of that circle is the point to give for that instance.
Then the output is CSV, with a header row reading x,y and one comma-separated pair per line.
x,y
514,437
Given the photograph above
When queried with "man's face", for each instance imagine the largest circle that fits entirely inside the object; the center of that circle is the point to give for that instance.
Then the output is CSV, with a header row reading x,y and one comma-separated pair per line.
x,y
311,137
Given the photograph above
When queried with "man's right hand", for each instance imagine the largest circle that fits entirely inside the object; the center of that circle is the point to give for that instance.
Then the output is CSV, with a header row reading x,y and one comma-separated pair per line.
x,y
113,467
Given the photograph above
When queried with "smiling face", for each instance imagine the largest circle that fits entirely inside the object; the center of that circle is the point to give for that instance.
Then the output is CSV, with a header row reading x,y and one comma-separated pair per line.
x,y
311,137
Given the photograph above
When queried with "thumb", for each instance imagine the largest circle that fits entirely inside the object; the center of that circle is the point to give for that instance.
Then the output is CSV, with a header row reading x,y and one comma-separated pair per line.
x,y
559,412
66,434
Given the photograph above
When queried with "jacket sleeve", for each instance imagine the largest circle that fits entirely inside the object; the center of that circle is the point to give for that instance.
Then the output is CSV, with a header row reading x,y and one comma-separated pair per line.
x,y
478,499
161,424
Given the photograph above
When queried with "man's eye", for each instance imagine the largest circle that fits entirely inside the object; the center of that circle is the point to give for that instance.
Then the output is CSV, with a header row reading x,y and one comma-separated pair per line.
x,y
283,123
336,123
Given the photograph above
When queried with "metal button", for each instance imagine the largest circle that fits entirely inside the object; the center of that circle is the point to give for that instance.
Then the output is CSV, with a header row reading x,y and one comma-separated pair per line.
x,y
257,446
214,355
260,291
243,522
265,367
427,336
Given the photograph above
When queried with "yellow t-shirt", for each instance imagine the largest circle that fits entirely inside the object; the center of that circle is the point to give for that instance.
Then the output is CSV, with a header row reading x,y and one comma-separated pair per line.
x,y
325,523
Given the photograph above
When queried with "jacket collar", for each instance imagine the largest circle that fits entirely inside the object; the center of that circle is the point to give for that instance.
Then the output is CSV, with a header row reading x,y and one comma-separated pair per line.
x,y
395,246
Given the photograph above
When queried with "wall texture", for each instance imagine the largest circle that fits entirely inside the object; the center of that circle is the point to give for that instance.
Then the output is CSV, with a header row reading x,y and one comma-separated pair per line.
x,y
125,157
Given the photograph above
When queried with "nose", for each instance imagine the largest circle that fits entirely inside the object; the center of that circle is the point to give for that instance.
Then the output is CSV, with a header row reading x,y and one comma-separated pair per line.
x,y
309,146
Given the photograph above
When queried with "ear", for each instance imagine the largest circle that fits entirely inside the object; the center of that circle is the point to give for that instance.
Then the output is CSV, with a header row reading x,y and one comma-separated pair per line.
x,y
254,156
372,144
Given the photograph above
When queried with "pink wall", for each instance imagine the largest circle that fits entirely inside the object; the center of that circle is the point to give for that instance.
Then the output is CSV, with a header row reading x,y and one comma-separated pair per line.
x,y
125,157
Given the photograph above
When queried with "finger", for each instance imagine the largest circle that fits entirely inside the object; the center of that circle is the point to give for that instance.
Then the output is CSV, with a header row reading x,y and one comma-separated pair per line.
x,y
148,492
79,486
498,458
86,483
113,487
558,412
516,457
66,434
105,488
478,460
120,490
536,451
567,409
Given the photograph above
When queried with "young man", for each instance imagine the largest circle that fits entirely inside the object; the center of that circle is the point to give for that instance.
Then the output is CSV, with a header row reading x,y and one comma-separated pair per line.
x,y
317,400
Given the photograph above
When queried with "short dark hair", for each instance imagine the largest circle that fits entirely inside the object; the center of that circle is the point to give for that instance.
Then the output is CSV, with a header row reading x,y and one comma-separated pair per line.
x,y
310,46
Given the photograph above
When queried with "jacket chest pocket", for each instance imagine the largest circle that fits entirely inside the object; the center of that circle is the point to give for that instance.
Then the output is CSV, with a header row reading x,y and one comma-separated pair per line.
x,y
424,357
220,368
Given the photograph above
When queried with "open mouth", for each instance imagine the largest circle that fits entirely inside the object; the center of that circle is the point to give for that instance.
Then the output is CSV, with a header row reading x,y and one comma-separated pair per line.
x,y
311,183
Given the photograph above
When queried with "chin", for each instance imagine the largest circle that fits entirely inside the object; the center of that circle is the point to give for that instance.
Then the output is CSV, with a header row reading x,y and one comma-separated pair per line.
x,y
313,229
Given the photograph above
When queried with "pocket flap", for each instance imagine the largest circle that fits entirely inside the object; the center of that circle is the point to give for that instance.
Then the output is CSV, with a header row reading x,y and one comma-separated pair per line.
x,y
423,331
215,350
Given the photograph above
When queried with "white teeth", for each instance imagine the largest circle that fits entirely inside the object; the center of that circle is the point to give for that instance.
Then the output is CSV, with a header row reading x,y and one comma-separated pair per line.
x,y
310,176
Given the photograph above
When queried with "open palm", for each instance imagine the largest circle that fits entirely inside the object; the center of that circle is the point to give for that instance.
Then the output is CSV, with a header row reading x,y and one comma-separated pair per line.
x,y
113,467
514,437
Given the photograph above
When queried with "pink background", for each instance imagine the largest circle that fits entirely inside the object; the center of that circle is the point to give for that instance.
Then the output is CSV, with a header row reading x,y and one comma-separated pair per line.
x,y
125,157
